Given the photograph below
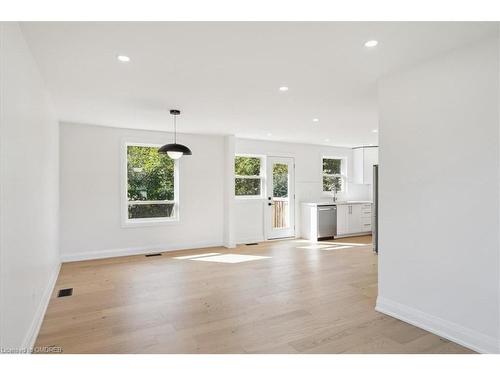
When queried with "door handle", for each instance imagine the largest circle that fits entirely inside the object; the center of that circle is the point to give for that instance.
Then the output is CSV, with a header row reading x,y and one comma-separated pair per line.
x,y
269,198
270,204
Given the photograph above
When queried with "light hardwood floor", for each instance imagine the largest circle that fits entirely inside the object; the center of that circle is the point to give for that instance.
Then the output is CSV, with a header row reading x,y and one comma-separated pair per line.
x,y
299,300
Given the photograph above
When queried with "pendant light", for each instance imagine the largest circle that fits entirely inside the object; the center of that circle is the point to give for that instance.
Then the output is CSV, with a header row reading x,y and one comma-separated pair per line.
x,y
175,150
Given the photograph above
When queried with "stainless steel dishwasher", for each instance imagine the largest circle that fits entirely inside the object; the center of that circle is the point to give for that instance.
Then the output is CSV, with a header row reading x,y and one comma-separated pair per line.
x,y
327,221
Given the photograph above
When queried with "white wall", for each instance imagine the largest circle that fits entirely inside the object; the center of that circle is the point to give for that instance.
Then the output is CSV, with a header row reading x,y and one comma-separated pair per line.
x,y
29,189
308,183
439,195
90,192
229,204
91,199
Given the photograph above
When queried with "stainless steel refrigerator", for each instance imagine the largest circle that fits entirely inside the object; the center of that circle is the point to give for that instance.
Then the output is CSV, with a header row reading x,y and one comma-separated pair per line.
x,y
375,209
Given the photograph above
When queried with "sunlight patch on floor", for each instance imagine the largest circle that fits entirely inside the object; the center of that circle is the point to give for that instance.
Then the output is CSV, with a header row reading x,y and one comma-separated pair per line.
x,y
314,247
337,248
350,243
302,241
231,258
196,256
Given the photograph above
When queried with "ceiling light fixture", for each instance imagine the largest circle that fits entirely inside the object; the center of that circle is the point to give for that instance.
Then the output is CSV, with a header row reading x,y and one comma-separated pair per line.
x,y
123,58
175,150
315,119
371,43
284,88
375,131
269,134
327,140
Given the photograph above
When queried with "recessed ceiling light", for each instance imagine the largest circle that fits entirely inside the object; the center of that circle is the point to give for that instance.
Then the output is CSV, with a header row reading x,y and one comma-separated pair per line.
x,y
269,134
375,131
327,140
315,119
123,58
371,43
284,88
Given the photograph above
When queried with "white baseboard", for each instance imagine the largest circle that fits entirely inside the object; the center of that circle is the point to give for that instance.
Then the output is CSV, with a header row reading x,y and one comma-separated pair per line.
x,y
36,323
464,336
111,253
354,234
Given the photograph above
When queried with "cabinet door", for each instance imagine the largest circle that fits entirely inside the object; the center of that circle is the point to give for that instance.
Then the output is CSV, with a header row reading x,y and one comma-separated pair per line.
x,y
357,165
370,159
354,221
342,217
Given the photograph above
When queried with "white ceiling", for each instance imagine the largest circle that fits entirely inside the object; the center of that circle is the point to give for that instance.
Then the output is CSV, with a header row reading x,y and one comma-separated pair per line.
x,y
224,77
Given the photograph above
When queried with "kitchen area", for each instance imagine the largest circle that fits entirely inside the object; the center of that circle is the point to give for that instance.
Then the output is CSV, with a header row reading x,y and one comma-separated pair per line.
x,y
333,218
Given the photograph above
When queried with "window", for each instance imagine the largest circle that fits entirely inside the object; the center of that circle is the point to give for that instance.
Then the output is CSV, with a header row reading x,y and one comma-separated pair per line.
x,y
151,185
248,176
333,177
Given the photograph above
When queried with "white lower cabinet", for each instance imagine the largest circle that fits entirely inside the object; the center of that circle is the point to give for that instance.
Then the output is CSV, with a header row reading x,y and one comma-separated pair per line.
x,y
354,222
353,218
318,220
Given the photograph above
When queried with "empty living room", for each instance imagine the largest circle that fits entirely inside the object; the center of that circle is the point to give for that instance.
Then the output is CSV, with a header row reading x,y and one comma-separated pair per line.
x,y
230,189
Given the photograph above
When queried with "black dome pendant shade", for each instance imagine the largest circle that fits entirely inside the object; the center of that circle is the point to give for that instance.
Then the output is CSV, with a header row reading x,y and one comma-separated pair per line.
x,y
175,147
175,150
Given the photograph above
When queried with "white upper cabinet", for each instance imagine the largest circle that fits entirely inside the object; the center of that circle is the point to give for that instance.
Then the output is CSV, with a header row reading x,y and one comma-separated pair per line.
x,y
364,158
370,159
357,165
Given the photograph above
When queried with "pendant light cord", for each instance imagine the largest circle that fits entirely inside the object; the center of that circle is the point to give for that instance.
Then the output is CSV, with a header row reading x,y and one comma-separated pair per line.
x,y
175,129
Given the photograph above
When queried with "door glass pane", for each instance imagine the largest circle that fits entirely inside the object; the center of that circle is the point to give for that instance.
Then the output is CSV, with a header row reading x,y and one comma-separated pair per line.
x,y
280,212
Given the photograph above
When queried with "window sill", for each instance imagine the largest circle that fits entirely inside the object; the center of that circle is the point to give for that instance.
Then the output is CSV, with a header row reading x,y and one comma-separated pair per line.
x,y
248,198
149,223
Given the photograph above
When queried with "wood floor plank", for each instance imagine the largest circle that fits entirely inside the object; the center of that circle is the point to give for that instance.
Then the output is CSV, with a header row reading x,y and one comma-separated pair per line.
x,y
298,300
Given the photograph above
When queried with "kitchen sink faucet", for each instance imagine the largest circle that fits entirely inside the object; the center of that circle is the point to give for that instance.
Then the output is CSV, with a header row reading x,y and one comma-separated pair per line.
x,y
334,193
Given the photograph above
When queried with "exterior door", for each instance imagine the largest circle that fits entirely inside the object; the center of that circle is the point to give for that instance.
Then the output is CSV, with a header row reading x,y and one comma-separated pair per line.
x,y
280,202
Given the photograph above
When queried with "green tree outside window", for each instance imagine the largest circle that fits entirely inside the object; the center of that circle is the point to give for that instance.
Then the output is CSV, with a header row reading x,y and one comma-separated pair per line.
x,y
150,177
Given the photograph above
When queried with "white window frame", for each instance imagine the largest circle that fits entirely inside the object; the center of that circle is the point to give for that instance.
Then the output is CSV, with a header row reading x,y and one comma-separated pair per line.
x,y
342,174
126,222
261,177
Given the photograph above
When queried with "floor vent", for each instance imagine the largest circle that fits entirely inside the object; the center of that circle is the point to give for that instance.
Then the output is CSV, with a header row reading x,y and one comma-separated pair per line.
x,y
65,292
252,244
153,255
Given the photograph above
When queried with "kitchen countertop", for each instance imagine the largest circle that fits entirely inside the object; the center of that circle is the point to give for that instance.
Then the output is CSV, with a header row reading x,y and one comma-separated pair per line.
x,y
330,203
